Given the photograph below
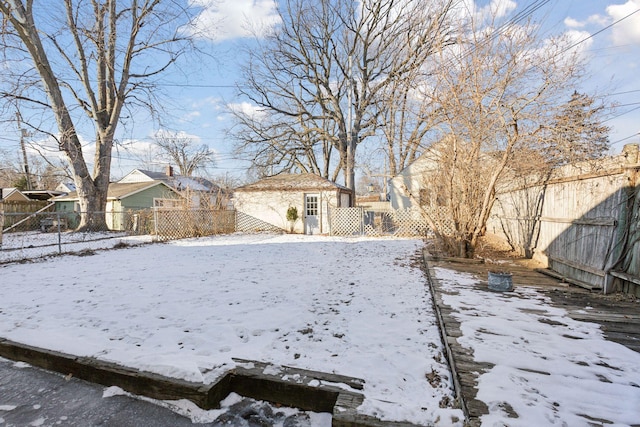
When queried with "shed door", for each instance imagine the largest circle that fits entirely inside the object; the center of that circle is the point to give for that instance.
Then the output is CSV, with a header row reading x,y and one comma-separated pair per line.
x,y
311,214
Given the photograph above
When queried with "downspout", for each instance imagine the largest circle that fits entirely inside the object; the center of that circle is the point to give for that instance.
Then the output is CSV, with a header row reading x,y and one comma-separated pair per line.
x,y
320,202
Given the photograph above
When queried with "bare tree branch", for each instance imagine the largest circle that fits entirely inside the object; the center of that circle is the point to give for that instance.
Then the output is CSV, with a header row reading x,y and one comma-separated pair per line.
x,y
185,153
96,61
499,101
326,74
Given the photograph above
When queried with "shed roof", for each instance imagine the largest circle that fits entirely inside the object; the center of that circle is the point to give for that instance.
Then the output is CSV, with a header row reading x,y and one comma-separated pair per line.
x,y
293,182
118,191
12,194
42,194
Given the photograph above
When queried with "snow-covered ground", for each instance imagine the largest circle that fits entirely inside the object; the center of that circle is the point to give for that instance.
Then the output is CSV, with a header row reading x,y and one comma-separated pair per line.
x,y
18,246
356,307
549,369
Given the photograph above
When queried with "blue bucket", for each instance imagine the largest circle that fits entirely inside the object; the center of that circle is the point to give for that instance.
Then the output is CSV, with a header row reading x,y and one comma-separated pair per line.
x,y
499,281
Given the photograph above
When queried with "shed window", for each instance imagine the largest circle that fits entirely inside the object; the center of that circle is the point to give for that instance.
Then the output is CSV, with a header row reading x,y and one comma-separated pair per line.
x,y
311,208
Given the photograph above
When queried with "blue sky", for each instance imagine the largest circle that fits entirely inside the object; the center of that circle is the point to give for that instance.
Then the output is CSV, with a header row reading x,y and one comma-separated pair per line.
x,y
200,91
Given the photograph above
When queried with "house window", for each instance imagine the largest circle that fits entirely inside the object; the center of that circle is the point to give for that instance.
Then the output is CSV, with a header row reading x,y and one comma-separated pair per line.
x,y
166,203
311,206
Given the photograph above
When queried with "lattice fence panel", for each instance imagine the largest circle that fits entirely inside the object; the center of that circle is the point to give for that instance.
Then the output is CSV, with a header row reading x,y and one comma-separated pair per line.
x,y
346,221
173,224
379,223
401,223
249,224
442,218
409,223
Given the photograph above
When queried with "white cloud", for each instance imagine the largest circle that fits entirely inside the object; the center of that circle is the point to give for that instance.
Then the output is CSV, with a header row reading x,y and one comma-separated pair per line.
x,y
572,23
175,134
247,109
593,19
498,8
190,116
230,19
581,40
495,9
627,31
138,147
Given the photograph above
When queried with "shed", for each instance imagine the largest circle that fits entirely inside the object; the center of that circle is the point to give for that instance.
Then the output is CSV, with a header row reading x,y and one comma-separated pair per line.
x,y
313,196
123,197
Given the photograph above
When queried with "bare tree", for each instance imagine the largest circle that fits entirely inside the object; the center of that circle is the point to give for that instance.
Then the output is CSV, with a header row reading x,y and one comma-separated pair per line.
x,y
406,118
185,152
500,97
320,80
90,60
10,170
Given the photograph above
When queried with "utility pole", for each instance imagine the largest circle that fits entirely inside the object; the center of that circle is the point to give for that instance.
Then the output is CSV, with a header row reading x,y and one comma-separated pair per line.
x,y
23,134
350,167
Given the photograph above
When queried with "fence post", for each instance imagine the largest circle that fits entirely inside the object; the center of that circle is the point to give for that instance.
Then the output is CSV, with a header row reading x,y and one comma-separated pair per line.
x,y
1,222
622,235
59,233
155,224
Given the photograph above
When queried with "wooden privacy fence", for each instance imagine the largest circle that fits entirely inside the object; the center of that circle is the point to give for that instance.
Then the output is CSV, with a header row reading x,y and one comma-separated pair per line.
x,y
583,222
11,208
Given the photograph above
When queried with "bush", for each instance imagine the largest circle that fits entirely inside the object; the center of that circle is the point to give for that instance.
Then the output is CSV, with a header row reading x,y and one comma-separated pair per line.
x,y
292,214
292,217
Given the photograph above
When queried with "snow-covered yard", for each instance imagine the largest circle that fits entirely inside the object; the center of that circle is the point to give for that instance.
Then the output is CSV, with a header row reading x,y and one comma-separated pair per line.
x,y
29,245
357,307
549,370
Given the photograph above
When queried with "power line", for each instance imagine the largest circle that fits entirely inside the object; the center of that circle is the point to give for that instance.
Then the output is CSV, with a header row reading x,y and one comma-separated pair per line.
x,y
600,31
625,92
628,105
624,139
621,114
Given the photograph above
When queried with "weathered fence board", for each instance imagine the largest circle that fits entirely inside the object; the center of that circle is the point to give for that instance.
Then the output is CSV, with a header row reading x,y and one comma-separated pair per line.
x,y
583,223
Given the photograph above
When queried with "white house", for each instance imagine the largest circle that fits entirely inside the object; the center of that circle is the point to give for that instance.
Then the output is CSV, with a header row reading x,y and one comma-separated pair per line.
x,y
269,199
408,187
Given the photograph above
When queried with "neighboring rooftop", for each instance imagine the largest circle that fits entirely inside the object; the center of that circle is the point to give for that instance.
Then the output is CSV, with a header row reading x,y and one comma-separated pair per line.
x,y
117,190
178,182
292,182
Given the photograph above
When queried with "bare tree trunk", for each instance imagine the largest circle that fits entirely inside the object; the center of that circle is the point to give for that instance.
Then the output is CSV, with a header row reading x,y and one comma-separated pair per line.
x,y
86,66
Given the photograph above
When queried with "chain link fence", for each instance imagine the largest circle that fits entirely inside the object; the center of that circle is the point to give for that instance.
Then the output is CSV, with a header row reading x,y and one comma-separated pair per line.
x,y
29,235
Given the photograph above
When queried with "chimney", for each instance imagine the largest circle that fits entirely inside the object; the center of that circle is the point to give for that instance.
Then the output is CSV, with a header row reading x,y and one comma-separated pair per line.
x,y
169,170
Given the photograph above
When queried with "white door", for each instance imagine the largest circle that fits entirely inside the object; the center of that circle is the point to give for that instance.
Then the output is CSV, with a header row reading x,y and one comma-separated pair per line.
x,y
311,214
